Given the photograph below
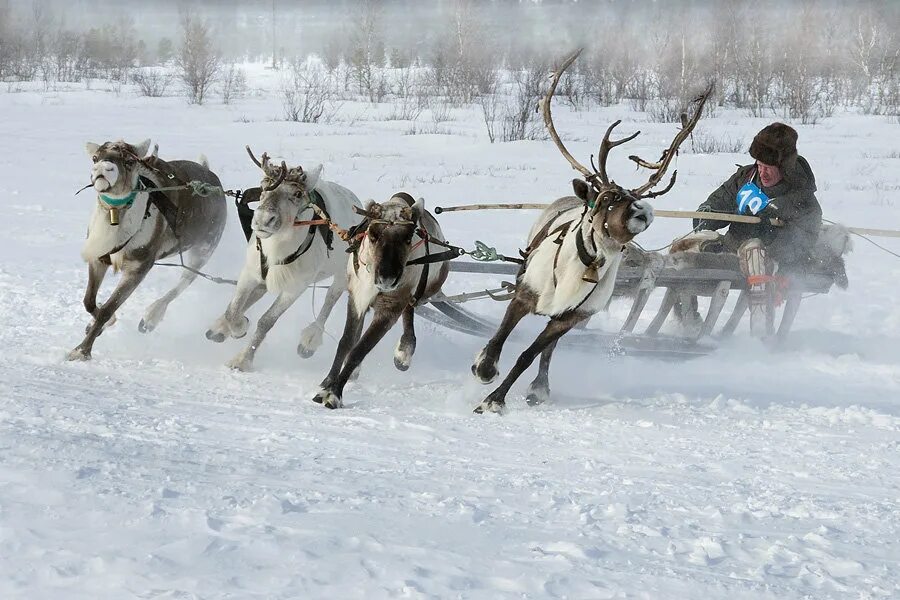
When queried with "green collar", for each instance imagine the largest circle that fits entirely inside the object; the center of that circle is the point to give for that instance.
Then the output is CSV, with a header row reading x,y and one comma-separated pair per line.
x,y
126,201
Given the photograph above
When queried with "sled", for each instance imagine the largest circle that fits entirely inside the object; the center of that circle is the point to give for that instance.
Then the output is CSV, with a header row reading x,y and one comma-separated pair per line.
x,y
714,276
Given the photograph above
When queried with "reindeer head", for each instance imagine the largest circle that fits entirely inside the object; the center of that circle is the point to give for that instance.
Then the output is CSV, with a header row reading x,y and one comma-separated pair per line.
x,y
115,171
285,192
617,213
390,228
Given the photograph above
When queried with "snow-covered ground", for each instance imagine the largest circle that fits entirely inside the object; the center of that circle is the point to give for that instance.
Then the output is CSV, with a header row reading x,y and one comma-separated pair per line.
x,y
155,472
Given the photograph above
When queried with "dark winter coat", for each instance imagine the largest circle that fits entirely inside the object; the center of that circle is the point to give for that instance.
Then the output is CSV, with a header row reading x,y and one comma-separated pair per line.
x,y
792,200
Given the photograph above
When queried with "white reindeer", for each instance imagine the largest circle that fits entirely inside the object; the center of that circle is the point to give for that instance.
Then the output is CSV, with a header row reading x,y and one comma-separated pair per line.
x,y
131,228
573,254
289,251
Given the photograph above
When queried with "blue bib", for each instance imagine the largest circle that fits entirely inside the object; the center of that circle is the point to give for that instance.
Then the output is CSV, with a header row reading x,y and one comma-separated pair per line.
x,y
752,198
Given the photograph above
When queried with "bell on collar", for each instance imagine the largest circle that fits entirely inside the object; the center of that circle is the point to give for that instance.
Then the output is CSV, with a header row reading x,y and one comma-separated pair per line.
x,y
113,216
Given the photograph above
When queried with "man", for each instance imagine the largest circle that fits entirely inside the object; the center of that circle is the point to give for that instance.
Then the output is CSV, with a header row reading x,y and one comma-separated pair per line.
x,y
779,185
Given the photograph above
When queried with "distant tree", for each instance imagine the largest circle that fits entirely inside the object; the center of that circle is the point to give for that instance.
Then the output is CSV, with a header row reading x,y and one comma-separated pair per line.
x,y
198,60
165,50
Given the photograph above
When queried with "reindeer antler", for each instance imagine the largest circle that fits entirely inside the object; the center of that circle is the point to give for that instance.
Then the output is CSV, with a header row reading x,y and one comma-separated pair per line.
x,y
669,153
548,120
252,157
281,175
605,146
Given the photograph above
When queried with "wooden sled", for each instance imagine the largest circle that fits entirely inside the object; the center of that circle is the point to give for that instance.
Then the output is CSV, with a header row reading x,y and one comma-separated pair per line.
x,y
714,276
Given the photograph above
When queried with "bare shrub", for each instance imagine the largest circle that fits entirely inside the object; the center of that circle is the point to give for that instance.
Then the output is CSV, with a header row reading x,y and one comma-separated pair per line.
x,y
152,82
703,142
408,89
639,91
520,119
440,107
198,60
306,93
233,84
664,110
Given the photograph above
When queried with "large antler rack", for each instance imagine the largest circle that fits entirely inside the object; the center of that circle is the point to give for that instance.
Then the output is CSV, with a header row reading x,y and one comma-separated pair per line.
x,y
659,167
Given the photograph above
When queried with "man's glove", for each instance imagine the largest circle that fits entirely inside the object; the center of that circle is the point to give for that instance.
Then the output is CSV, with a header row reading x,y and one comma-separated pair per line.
x,y
702,224
766,229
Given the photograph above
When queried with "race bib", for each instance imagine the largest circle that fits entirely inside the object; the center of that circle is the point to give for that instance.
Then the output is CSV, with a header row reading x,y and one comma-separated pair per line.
x,y
751,198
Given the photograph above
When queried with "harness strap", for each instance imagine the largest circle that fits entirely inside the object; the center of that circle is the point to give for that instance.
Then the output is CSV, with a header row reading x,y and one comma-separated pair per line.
x,y
423,278
163,204
315,225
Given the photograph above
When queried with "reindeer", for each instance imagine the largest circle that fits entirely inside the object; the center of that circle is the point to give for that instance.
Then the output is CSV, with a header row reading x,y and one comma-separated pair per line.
x,y
287,253
391,270
573,253
132,228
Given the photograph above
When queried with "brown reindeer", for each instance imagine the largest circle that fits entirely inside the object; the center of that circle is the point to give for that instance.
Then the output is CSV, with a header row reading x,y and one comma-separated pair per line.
x,y
132,228
380,276
573,253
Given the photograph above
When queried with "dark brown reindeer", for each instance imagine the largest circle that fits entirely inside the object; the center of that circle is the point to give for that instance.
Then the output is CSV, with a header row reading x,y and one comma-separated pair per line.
x,y
573,253
379,276
132,228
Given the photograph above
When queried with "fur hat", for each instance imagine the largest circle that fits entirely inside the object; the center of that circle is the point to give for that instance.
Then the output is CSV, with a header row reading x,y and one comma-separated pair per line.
x,y
776,145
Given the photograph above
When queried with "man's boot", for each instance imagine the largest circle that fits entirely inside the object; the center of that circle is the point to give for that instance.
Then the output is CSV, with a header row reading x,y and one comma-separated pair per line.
x,y
757,269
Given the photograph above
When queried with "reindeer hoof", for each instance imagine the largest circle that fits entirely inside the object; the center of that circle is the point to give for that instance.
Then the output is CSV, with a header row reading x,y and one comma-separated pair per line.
x,y
239,363
215,336
144,327
491,406
304,352
403,355
484,368
536,397
485,372
328,399
78,354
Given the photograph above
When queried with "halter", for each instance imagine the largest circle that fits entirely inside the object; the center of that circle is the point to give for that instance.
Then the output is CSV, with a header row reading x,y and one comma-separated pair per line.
x,y
317,204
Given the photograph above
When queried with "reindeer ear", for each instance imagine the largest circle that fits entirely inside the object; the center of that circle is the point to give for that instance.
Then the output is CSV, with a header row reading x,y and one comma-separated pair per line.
x,y
142,148
91,148
418,209
313,177
584,191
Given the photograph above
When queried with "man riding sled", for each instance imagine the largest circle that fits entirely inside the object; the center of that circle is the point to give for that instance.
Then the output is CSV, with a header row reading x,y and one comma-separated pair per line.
x,y
778,185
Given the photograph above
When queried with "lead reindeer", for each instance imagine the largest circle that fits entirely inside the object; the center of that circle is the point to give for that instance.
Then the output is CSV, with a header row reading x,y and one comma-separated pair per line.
x,y
573,254
287,253
389,272
132,227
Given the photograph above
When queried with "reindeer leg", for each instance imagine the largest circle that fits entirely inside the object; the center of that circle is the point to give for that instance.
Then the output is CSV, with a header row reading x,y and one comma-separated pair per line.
x,y
311,336
96,273
130,280
244,359
233,323
539,390
352,330
385,317
406,347
485,366
555,329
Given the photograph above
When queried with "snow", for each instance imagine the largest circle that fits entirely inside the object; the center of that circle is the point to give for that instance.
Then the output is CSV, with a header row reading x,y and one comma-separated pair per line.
x,y
155,472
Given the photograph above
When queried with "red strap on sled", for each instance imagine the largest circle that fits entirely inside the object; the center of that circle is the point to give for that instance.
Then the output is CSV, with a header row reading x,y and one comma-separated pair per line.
x,y
781,282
